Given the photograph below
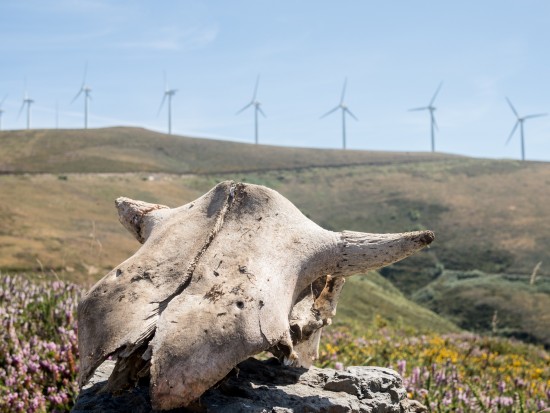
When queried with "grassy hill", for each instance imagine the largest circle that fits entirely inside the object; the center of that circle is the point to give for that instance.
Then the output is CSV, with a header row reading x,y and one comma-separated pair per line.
x,y
488,215
139,150
504,304
366,297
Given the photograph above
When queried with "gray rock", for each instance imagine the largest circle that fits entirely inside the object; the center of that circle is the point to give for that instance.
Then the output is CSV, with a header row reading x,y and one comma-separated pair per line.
x,y
268,387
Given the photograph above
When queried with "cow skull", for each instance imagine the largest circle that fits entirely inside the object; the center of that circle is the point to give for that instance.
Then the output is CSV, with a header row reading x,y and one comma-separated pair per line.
x,y
236,272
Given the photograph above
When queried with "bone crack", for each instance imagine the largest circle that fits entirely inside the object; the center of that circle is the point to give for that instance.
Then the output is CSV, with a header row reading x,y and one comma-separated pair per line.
x,y
220,218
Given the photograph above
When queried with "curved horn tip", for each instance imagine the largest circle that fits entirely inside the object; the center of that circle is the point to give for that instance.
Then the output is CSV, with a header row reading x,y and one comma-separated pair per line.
x,y
133,215
426,237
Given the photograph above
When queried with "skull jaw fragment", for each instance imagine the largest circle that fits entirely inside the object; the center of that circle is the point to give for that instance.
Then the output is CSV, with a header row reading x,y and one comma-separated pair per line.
x,y
236,272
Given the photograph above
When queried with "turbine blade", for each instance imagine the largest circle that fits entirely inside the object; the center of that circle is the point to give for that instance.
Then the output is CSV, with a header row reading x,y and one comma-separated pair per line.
x,y
538,115
161,103
435,94
21,110
512,107
77,95
435,123
261,111
246,107
422,108
512,133
344,90
351,114
330,111
256,88
3,100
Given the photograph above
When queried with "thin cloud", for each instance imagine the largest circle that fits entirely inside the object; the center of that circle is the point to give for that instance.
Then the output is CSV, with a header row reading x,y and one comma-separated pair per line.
x,y
100,7
175,39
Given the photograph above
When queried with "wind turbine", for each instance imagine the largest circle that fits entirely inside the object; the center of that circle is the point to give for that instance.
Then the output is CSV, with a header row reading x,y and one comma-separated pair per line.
x,y
86,90
257,108
432,109
1,110
344,110
167,93
26,101
520,120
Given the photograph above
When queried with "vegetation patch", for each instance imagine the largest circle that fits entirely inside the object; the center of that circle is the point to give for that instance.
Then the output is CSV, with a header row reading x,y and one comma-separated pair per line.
x,y
506,306
448,373
364,297
38,346
445,371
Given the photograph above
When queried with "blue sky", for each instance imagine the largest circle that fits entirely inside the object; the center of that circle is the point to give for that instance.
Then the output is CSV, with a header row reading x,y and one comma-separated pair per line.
x,y
394,54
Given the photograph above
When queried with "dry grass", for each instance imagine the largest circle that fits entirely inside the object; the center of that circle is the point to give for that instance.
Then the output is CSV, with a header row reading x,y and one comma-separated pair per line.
x,y
70,225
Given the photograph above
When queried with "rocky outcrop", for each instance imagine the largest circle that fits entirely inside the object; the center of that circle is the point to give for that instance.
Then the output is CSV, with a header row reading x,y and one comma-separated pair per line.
x,y
268,387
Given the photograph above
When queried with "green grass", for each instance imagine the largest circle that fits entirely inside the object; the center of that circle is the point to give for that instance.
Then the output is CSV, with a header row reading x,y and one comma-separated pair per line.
x,y
504,304
368,297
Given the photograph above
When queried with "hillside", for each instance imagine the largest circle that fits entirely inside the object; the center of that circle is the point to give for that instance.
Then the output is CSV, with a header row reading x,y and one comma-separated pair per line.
x,y
140,150
503,304
488,215
489,221
366,297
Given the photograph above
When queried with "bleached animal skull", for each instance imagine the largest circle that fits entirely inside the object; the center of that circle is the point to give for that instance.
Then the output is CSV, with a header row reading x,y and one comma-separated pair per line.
x,y
234,273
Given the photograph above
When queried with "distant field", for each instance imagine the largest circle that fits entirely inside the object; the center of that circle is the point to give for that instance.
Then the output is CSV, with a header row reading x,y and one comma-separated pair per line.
x,y
488,215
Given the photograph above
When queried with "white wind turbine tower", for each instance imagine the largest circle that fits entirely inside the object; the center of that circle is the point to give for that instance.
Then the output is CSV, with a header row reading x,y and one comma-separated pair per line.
x,y
432,109
344,110
26,101
168,93
84,88
257,108
520,120
1,110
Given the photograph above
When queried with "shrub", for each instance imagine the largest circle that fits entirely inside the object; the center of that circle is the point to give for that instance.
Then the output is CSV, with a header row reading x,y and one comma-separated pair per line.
x,y
38,347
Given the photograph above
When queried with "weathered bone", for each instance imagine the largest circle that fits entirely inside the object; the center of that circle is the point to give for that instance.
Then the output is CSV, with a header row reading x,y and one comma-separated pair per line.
x,y
236,272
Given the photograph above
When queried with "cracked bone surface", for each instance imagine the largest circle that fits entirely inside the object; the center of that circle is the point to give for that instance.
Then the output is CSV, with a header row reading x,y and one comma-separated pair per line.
x,y
236,272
